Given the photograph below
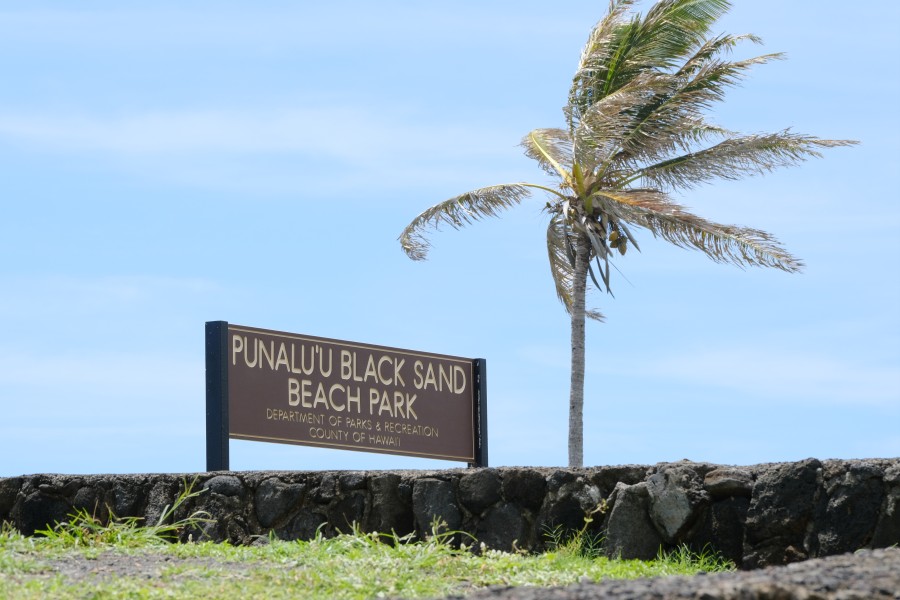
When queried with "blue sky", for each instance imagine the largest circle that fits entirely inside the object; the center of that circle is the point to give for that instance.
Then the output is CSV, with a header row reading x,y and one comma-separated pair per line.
x,y
165,164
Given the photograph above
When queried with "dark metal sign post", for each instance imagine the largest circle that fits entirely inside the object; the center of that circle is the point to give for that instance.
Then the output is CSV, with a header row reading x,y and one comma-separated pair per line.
x,y
216,396
290,388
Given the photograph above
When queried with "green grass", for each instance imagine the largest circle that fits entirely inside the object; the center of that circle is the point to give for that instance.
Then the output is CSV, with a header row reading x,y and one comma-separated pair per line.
x,y
123,559
348,566
83,529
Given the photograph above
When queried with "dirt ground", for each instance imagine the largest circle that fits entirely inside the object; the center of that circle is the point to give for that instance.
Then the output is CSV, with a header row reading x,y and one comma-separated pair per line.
x,y
865,575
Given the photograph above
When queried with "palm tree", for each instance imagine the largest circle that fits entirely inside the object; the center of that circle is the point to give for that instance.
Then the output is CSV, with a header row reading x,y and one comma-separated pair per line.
x,y
635,133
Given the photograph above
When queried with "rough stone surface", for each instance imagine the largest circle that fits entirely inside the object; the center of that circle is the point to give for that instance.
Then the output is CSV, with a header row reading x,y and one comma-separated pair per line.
x,y
503,528
727,482
722,529
525,487
225,485
391,505
867,575
40,510
126,497
274,499
848,517
434,505
782,507
9,489
163,492
570,498
347,511
887,531
479,490
606,478
758,515
630,532
676,494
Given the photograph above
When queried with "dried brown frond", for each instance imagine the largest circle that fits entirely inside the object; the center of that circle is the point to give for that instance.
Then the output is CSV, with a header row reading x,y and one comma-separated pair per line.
x,y
458,211
655,211
552,149
562,263
737,157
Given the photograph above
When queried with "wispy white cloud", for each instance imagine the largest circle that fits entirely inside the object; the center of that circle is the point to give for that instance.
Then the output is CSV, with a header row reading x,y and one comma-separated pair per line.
x,y
781,376
345,24
125,375
274,149
123,390
347,133
768,372
68,295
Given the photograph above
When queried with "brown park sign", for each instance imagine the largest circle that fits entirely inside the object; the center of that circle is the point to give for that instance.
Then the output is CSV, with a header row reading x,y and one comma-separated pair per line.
x,y
290,388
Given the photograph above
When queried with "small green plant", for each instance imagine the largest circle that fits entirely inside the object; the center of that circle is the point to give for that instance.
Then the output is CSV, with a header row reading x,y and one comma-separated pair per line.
x,y
582,542
84,529
7,530
706,560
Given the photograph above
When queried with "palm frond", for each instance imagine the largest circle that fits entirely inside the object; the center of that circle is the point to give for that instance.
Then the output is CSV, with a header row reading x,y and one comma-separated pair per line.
x,y
552,149
659,115
603,39
562,263
661,40
705,82
461,210
655,211
607,41
737,157
712,48
619,50
562,267
606,122
672,28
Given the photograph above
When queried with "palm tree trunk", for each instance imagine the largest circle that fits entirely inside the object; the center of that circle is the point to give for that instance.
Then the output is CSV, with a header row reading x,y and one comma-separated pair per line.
x,y
576,388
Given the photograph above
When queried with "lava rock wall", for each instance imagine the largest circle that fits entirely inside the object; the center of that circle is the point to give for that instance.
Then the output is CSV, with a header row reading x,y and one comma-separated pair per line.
x,y
760,515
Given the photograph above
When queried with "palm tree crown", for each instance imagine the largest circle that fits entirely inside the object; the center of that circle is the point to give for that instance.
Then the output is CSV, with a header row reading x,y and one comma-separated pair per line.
x,y
635,133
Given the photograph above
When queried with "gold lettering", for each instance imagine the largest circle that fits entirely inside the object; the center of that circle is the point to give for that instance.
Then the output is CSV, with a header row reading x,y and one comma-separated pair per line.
x,y
370,370
430,378
444,376
237,346
302,369
398,380
409,409
293,391
305,393
282,357
385,404
398,405
346,365
322,370
451,378
351,399
384,380
417,371
459,379
374,397
356,376
268,355
328,434
320,398
255,353
334,405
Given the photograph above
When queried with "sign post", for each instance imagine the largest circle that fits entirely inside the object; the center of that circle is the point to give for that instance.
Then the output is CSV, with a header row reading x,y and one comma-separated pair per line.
x,y
290,388
216,396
